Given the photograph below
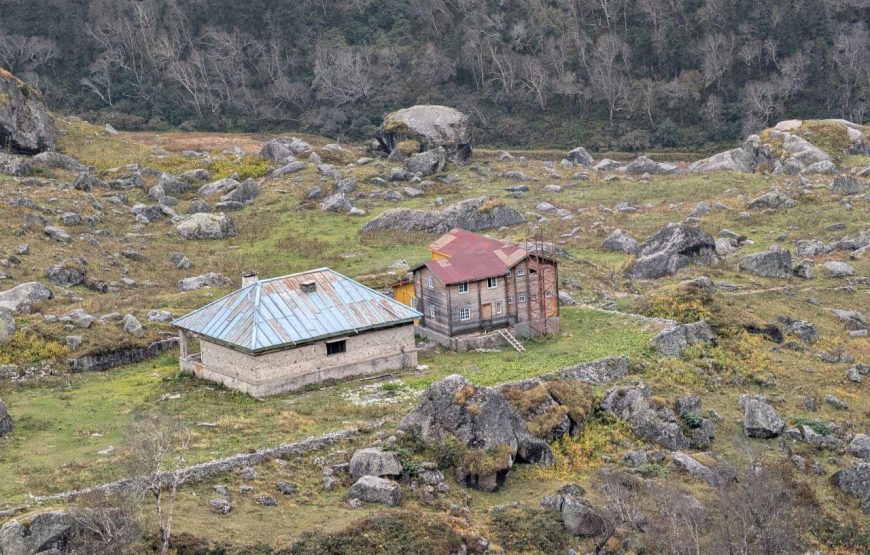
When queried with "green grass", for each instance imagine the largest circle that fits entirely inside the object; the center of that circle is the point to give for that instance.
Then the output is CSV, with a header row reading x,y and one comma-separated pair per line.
x,y
62,423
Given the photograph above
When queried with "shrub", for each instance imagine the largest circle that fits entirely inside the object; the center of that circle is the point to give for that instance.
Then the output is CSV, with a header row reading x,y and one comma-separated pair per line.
x,y
407,533
27,348
682,308
817,426
528,530
483,463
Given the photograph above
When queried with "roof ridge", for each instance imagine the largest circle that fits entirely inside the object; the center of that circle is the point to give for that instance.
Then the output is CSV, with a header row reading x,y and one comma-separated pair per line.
x,y
257,318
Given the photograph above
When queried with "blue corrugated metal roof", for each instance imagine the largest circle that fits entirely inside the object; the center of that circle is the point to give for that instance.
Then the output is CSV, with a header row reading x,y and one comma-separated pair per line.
x,y
276,313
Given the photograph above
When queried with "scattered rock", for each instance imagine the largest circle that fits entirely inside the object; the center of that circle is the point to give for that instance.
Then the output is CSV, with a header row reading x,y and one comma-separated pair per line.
x,y
372,461
760,420
580,156
427,163
68,273
671,248
372,489
206,226
773,200
132,326
858,447
774,263
691,465
473,215
672,341
855,481
211,279
846,185
620,241
642,165
839,269
221,506
22,298
657,424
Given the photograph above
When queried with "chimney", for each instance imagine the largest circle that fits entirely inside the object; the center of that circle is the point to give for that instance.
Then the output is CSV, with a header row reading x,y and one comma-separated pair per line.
x,y
309,286
249,278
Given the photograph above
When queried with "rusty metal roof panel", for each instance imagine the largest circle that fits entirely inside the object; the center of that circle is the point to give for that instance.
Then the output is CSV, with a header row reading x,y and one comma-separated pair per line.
x,y
276,313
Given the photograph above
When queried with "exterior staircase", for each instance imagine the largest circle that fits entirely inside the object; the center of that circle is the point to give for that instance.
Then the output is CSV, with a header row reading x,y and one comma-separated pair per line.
x,y
509,337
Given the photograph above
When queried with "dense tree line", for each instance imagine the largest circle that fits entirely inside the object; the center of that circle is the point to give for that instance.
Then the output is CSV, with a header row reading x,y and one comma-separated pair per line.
x,y
605,73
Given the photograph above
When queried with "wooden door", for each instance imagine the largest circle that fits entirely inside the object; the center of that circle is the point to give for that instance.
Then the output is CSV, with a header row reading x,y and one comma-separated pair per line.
x,y
486,312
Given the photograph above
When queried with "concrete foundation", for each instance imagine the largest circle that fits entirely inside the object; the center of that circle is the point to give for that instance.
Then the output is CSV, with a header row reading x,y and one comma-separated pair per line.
x,y
483,340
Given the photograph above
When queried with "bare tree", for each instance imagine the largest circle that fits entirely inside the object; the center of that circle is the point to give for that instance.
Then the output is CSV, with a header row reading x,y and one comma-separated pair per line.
x,y
342,75
19,53
106,523
156,448
608,73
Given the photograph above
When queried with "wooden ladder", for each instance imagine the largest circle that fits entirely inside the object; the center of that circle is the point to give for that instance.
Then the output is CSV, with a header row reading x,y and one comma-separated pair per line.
x,y
509,337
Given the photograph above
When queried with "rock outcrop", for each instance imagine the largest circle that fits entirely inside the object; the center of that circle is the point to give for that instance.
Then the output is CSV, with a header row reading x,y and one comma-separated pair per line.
x,y
484,423
211,279
855,481
760,420
204,226
372,489
620,241
671,248
673,340
22,298
477,214
46,533
427,127
25,122
773,263
655,423
373,461
745,159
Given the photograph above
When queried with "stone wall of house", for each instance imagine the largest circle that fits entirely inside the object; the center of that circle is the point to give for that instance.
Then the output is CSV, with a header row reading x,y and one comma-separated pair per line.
x,y
268,374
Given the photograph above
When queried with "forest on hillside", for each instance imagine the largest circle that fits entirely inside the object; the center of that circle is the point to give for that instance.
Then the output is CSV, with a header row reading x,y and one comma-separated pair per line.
x,y
608,74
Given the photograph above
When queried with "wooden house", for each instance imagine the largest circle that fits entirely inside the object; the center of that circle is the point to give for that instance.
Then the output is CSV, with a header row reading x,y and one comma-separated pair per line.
x,y
476,291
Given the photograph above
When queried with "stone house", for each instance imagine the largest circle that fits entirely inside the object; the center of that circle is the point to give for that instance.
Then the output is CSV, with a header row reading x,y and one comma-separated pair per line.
x,y
281,334
475,291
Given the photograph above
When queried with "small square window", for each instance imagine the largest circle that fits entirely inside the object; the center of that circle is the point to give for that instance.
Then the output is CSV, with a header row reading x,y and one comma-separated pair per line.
x,y
509,273
336,348
431,282
465,313
549,293
510,300
463,288
521,298
521,272
492,283
433,311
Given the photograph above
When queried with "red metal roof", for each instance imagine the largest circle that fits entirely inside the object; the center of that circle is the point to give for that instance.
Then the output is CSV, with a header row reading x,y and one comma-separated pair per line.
x,y
472,257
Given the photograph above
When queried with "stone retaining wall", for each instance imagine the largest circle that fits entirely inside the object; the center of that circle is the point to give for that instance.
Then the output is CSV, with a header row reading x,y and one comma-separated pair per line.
x,y
121,357
219,466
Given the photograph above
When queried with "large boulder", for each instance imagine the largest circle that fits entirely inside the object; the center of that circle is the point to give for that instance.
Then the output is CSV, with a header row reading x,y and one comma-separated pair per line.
x,y
760,420
847,185
206,226
281,148
373,461
578,515
58,161
372,489
860,446
546,418
774,263
774,200
46,533
427,163
673,340
5,421
744,159
671,248
597,372
855,481
19,166
651,421
478,214
580,156
430,127
643,165
211,279
483,422
21,298
25,122
620,241
244,192
68,273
